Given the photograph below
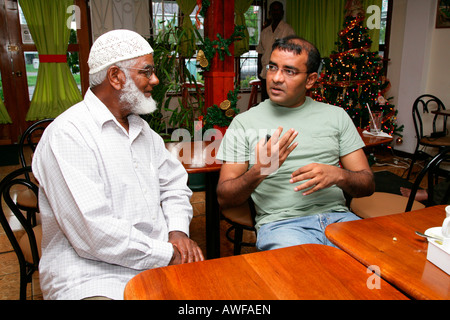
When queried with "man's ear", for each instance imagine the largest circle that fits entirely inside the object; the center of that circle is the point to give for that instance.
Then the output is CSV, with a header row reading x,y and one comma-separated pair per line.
x,y
311,80
116,77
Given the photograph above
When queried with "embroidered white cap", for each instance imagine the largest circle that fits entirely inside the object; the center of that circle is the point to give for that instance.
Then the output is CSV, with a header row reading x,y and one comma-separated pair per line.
x,y
114,46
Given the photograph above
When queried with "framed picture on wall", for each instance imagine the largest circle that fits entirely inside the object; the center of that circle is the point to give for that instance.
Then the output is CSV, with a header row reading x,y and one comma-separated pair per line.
x,y
443,14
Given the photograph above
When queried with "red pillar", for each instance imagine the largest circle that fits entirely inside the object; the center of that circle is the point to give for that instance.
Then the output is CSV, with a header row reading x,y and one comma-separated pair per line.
x,y
219,80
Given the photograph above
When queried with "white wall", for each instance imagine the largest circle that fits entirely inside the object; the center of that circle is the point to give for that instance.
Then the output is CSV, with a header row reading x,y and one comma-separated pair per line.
x,y
419,62
439,74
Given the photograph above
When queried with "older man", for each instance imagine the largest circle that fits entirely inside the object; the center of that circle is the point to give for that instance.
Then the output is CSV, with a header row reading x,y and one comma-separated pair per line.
x,y
113,201
297,179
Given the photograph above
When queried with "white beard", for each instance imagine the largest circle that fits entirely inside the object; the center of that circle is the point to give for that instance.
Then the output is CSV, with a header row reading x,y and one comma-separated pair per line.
x,y
135,101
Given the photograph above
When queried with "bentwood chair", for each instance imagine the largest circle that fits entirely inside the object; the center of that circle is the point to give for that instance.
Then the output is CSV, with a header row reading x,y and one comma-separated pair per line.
x,y
27,200
23,232
31,138
382,203
437,138
241,218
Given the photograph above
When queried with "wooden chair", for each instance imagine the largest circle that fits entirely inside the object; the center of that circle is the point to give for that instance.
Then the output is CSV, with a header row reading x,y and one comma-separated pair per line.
x,y
187,89
255,84
27,200
436,139
241,218
26,244
382,203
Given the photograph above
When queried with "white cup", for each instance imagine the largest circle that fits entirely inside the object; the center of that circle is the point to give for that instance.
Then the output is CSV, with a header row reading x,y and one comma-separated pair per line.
x,y
446,228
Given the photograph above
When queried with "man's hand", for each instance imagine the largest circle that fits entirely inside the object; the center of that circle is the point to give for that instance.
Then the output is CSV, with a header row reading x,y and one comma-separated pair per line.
x,y
319,176
355,177
185,249
270,155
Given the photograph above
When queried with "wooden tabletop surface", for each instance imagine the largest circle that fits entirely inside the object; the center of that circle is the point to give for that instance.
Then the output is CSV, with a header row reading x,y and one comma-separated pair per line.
x,y
390,243
302,272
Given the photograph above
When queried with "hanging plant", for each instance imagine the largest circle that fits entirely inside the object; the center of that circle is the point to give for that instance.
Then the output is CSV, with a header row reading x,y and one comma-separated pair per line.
x,y
220,46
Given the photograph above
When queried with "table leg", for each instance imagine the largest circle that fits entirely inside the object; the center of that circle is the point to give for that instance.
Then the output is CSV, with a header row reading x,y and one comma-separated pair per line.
x,y
212,216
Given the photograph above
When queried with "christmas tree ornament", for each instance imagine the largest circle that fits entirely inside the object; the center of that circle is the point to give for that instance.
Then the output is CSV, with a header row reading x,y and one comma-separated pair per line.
x,y
225,105
201,58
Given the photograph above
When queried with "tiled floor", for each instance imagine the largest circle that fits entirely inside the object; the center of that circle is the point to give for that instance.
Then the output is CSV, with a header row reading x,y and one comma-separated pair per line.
x,y
9,271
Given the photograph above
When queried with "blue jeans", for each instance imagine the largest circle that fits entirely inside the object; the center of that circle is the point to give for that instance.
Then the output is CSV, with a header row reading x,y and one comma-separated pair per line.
x,y
296,231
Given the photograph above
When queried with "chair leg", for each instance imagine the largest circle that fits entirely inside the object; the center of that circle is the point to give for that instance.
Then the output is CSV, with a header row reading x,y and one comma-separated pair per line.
x,y
413,161
238,234
23,285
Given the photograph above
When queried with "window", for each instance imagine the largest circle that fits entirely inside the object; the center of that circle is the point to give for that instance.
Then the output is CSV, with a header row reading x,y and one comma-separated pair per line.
x,y
166,12
32,57
247,64
386,16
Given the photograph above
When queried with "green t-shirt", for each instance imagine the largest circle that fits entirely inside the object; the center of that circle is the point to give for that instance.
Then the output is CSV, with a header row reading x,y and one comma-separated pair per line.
x,y
326,133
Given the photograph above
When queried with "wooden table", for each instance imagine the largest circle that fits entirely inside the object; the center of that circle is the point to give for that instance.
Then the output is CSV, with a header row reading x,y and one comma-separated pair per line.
x,y
389,242
199,157
302,272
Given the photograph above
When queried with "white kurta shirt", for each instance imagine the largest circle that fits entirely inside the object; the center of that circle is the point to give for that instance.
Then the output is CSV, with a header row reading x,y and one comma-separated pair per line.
x,y
266,40
108,200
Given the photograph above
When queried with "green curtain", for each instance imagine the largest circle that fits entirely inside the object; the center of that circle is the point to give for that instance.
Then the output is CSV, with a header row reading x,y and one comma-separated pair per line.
x,y
4,116
320,21
56,89
374,33
187,46
240,8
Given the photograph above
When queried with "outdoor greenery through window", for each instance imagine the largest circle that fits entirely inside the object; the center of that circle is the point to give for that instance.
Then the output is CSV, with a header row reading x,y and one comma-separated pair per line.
x,y
248,62
384,13
166,13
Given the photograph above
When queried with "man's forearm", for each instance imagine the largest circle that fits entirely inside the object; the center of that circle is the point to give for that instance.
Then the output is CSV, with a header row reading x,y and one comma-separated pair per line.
x,y
234,192
357,183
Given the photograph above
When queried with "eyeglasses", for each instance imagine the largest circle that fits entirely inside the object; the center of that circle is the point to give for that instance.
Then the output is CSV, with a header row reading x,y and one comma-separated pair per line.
x,y
151,70
287,72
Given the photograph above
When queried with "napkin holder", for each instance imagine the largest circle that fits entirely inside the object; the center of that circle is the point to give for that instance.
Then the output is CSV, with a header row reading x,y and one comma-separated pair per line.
x,y
377,134
439,255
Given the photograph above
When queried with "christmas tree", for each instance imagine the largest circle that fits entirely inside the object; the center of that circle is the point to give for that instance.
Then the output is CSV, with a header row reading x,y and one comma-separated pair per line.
x,y
353,77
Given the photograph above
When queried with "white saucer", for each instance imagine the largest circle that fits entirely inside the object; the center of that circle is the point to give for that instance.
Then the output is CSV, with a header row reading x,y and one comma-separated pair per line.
x,y
437,232
434,232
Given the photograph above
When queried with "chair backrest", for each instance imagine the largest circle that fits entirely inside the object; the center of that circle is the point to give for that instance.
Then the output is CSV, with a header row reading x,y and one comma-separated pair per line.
x,y
9,186
31,138
425,101
432,170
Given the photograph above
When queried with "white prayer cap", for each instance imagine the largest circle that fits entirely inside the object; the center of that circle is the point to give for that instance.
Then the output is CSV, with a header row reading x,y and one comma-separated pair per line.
x,y
115,46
